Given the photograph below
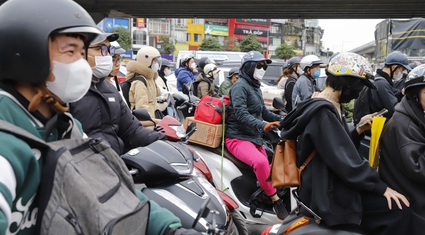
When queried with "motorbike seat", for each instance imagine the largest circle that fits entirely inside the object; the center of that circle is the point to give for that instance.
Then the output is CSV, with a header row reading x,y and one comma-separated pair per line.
x,y
232,158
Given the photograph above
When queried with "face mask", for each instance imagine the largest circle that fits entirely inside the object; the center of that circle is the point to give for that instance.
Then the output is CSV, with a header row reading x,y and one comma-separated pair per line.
x,y
155,67
215,76
103,66
72,81
193,66
299,70
398,76
316,74
167,72
259,74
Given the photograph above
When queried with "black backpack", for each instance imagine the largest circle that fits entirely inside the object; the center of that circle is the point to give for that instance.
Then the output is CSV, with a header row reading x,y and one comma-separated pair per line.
x,y
362,105
196,84
125,87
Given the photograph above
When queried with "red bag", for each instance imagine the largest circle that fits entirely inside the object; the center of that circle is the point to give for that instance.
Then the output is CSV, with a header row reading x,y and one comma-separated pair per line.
x,y
210,109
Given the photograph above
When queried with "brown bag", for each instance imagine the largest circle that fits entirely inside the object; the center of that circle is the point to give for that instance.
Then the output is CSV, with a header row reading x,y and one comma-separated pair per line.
x,y
284,171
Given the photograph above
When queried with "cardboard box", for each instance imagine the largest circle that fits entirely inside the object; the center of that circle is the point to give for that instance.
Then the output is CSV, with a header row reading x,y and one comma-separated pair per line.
x,y
207,134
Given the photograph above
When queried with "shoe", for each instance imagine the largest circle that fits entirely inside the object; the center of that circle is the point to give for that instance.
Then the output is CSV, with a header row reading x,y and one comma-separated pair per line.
x,y
280,210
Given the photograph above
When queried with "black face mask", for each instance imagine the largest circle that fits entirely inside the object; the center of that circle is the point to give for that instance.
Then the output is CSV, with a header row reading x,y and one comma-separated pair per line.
x,y
351,91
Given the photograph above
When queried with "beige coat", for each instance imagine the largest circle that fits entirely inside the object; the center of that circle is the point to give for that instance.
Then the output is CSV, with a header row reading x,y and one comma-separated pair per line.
x,y
141,96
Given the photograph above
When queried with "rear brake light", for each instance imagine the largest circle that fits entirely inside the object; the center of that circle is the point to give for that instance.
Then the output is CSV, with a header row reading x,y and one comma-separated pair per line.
x,y
295,225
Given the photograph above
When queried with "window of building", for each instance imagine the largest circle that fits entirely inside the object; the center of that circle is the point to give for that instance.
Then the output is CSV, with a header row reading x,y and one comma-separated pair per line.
x,y
140,37
180,36
197,37
274,29
188,37
180,23
276,42
198,21
159,26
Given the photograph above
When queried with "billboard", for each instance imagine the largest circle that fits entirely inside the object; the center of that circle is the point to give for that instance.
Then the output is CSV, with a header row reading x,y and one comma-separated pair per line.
x,y
217,30
108,24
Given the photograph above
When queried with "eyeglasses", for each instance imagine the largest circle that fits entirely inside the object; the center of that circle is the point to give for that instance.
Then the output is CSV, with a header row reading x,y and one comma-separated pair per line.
x,y
261,65
105,50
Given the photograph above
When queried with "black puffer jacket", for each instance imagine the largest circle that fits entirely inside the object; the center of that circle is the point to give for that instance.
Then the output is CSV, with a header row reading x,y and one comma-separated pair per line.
x,y
104,114
402,162
385,94
248,113
332,183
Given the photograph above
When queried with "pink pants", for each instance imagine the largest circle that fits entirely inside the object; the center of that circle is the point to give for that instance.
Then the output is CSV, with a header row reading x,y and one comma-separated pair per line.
x,y
254,156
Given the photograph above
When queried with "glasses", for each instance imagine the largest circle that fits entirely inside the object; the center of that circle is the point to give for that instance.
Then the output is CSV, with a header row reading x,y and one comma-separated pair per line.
x,y
105,50
261,65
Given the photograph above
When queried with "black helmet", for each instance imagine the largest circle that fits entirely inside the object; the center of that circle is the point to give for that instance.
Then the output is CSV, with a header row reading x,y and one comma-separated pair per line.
x,y
293,61
28,25
232,71
415,78
397,58
254,56
204,61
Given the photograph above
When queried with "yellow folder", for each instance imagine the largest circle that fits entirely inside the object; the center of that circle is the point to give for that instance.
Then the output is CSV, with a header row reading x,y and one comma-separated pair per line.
x,y
376,130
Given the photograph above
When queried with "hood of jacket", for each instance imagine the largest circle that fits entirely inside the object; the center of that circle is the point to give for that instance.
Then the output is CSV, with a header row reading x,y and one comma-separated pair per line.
x,y
294,123
247,73
411,109
381,73
135,68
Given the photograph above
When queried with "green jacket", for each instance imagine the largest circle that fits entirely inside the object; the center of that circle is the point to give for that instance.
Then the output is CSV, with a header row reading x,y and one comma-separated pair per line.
x,y
225,87
20,170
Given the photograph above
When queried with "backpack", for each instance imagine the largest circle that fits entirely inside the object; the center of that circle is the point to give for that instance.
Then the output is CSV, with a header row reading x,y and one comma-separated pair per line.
x,y
125,87
196,84
362,105
210,109
85,188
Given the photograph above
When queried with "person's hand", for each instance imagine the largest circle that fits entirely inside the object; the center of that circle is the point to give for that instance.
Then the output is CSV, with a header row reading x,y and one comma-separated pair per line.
x,y
365,123
270,124
391,194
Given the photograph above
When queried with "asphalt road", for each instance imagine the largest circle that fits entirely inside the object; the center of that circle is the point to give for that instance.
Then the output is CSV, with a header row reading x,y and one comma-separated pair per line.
x,y
256,229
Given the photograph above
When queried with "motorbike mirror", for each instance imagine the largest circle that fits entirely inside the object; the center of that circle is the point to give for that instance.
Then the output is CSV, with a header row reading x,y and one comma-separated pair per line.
x,y
190,129
188,89
203,212
143,115
278,103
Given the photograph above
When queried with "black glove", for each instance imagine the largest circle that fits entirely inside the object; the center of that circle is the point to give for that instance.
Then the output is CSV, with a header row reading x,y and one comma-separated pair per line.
x,y
184,231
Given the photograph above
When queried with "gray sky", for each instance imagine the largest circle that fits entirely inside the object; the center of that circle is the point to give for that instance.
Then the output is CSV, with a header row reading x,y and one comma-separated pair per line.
x,y
343,35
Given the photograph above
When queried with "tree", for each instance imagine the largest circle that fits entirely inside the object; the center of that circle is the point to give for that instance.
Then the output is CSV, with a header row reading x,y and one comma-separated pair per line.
x,y
231,44
210,44
251,43
285,51
125,37
168,46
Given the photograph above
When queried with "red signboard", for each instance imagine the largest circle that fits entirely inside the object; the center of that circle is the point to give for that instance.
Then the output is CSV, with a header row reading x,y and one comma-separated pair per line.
x,y
141,23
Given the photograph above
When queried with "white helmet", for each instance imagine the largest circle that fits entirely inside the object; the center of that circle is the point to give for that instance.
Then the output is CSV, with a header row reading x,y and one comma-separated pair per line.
x,y
309,61
210,70
146,54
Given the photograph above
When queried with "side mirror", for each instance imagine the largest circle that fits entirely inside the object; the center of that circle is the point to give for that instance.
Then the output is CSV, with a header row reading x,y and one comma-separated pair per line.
x,y
143,115
278,103
187,89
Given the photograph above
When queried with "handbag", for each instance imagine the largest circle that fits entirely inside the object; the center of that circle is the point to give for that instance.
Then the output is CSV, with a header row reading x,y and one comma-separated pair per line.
x,y
284,171
210,109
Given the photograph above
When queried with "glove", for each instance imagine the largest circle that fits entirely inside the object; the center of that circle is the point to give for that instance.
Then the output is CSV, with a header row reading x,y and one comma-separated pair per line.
x,y
270,124
183,231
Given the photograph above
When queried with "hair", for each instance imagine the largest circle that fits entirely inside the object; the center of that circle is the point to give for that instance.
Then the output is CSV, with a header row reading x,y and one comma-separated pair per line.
x,y
413,92
338,82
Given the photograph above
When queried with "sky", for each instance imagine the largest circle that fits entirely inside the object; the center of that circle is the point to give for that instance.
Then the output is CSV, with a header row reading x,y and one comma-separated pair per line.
x,y
342,35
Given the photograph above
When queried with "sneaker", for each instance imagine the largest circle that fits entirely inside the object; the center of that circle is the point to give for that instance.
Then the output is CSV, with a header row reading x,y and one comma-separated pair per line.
x,y
280,210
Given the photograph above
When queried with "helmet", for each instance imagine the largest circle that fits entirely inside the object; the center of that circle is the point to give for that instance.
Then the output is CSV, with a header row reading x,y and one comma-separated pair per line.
x,y
309,61
118,49
146,54
292,61
351,64
254,56
112,37
165,62
204,61
185,58
397,58
232,71
210,68
28,29
415,78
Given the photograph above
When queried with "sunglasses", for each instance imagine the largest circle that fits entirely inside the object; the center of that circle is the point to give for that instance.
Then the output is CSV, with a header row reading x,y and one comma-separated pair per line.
x,y
105,50
261,65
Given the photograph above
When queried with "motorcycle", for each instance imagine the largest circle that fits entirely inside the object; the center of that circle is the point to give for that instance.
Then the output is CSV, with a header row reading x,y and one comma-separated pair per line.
x,y
177,179
234,177
307,223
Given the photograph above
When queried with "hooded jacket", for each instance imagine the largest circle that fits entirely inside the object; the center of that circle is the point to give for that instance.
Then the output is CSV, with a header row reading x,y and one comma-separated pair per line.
x,y
402,160
385,94
332,183
142,96
248,115
104,114
184,76
304,87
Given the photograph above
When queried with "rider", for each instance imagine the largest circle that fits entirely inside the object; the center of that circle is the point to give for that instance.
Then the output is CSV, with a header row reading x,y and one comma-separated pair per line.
x,y
338,184
294,70
306,82
187,73
249,117
403,142
229,81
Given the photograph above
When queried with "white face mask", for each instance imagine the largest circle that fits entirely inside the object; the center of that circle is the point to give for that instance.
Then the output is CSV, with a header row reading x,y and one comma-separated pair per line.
x,y
167,72
215,76
155,67
193,65
259,74
398,76
299,70
103,66
72,81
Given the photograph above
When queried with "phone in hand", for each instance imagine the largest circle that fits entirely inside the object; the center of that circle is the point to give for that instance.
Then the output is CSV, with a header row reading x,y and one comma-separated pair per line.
x,y
382,112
